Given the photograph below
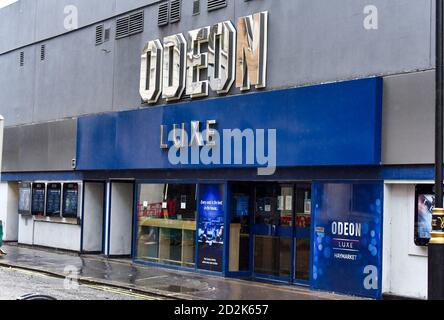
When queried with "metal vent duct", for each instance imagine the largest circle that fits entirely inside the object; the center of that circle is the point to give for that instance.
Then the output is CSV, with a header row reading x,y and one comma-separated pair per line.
x,y
99,34
122,27
162,18
22,58
136,21
216,4
129,25
175,10
196,7
42,52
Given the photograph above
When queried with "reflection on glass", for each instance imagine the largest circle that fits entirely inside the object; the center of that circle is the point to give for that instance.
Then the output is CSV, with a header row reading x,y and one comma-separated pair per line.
x,y
272,256
303,222
241,199
166,219
302,259
285,205
303,206
266,206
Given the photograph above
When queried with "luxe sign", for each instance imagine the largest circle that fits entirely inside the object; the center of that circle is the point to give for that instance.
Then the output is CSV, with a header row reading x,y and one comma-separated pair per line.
x,y
177,66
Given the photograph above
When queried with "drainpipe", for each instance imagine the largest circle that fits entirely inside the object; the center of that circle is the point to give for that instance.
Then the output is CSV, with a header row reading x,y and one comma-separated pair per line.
x,y
436,245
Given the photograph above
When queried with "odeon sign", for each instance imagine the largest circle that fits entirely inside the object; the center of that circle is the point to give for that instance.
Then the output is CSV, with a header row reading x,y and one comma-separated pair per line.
x,y
177,66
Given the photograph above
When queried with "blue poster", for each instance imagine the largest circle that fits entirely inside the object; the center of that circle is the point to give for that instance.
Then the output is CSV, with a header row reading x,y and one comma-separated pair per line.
x,y
211,227
348,238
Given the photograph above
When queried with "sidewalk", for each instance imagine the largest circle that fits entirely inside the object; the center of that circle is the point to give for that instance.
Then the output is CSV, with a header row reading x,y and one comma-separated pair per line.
x,y
154,280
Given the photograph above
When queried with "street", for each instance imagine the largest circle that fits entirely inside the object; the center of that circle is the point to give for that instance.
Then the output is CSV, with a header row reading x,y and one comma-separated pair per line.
x,y
17,282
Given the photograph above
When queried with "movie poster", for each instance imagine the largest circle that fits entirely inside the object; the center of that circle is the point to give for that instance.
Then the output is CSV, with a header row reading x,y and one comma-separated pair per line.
x,y
211,227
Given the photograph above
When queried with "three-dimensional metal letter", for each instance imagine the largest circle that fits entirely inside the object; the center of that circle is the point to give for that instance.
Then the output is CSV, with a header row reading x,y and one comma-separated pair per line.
x,y
151,72
174,62
196,62
222,56
252,51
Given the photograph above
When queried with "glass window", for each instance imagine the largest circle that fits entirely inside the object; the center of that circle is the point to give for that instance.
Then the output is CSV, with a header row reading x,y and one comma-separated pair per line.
x,y
272,256
166,221
303,223
242,196
266,205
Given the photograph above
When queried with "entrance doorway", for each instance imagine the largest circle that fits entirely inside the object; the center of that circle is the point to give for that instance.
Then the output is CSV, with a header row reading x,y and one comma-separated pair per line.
x,y
120,218
270,231
93,217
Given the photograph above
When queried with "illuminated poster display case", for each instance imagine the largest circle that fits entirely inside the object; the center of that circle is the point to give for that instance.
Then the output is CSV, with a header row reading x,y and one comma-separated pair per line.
x,y
70,200
38,199
24,205
53,199
50,201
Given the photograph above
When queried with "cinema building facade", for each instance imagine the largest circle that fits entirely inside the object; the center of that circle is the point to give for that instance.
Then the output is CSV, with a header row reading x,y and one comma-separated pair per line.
x,y
289,141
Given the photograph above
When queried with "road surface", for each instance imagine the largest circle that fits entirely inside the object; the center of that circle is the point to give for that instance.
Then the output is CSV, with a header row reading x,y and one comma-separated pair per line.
x,y
17,282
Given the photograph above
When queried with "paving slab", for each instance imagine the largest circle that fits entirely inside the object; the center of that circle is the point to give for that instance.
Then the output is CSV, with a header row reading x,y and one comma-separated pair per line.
x,y
155,280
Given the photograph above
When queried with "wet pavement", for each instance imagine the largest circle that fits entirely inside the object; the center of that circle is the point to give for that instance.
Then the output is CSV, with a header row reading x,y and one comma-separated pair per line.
x,y
153,280
15,283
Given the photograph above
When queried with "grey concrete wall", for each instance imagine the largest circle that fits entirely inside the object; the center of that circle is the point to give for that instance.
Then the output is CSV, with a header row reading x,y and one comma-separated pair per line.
x,y
408,119
28,21
42,147
309,42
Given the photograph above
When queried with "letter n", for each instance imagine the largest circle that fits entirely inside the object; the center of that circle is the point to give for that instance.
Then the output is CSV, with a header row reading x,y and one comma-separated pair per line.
x,y
252,51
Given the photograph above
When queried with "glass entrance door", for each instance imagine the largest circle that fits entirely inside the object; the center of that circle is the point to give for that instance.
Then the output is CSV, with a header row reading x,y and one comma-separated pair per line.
x,y
302,239
272,231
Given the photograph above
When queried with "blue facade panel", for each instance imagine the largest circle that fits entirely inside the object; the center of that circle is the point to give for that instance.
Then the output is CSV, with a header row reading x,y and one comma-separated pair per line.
x,y
331,124
347,238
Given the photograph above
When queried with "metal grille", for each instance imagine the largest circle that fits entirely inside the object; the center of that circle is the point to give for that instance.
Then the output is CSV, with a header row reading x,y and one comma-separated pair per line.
x,y
196,7
162,18
136,22
99,34
175,11
129,25
42,52
22,58
122,27
216,4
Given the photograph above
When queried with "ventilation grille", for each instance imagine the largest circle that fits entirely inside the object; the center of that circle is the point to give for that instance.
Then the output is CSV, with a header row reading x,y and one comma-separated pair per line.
x,y
129,25
216,4
175,10
22,58
136,23
196,7
99,34
162,18
42,52
122,27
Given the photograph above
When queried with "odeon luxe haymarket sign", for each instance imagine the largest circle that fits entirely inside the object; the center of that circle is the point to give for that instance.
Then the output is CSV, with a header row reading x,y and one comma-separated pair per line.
x,y
177,66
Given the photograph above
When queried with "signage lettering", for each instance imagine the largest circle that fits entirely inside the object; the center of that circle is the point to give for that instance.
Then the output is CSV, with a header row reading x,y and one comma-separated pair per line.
x,y
347,229
180,136
179,64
